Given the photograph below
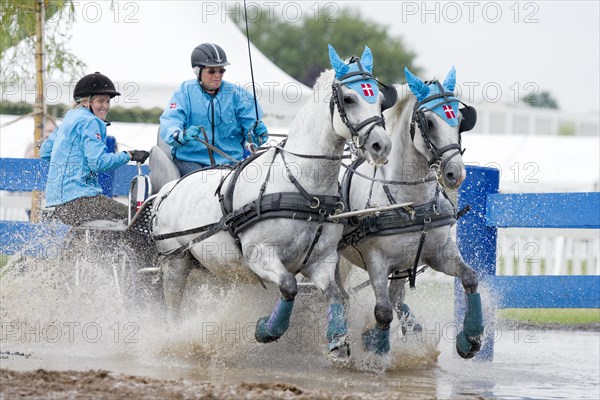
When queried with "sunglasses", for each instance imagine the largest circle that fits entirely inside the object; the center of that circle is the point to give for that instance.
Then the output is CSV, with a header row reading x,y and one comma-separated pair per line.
x,y
213,71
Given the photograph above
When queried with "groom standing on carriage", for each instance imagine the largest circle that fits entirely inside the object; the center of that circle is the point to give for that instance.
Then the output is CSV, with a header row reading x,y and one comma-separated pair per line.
x,y
209,121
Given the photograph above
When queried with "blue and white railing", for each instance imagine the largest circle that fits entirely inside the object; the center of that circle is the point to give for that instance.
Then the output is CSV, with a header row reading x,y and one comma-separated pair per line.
x,y
477,241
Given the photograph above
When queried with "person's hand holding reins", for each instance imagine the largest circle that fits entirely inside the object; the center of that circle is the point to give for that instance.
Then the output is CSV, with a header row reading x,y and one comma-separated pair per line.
x,y
259,134
139,155
191,133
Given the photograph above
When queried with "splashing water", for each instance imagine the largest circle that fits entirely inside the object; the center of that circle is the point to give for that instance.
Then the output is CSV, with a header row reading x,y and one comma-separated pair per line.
x,y
44,314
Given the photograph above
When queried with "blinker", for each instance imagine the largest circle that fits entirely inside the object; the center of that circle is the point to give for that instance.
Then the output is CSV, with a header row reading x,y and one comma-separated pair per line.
x,y
469,118
390,96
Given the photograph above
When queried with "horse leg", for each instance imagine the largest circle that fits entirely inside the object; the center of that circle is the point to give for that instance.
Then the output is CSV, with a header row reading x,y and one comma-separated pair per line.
x,y
325,280
339,280
337,331
449,261
269,329
175,273
405,315
377,339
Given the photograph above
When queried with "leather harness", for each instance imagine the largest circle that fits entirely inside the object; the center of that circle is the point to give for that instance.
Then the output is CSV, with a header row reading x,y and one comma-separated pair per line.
x,y
438,212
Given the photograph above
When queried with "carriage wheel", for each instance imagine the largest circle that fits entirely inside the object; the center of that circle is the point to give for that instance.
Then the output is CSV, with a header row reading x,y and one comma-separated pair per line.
x,y
110,259
138,290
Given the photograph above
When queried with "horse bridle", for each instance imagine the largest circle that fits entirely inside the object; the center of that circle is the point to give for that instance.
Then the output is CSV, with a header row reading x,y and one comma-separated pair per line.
x,y
418,118
337,99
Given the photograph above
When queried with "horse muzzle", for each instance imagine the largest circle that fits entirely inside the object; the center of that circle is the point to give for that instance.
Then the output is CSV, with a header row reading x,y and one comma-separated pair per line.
x,y
450,170
453,175
377,147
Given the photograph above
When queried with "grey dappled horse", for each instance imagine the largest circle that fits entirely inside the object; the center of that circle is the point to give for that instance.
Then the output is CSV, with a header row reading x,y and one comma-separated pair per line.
x,y
425,127
274,225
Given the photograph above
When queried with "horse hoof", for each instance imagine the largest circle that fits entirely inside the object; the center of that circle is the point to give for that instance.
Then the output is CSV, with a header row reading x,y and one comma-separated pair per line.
x,y
261,333
408,321
467,347
339,349
415,328
377,341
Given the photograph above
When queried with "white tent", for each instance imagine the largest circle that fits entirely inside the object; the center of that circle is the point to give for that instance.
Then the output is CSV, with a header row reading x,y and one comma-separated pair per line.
x,y
145,48
528,163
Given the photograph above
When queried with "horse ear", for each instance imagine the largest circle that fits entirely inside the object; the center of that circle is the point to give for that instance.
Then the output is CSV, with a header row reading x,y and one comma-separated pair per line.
x,y
367,59
420,89
337,63
450,81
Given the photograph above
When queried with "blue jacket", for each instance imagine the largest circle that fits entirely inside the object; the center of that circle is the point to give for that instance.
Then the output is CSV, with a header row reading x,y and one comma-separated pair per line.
x,y
226,117
77,153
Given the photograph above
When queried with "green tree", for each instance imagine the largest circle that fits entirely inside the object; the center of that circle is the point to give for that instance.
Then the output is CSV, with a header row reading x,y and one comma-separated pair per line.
x,y
17,39
542,99
300,49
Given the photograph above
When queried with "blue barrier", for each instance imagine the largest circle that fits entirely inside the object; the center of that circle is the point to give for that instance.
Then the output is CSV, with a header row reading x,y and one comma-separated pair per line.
x,y
477,233
31,239
28,174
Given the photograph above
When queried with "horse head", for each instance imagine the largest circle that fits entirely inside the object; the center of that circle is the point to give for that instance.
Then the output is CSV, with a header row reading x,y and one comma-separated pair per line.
x,y
356,104
436,115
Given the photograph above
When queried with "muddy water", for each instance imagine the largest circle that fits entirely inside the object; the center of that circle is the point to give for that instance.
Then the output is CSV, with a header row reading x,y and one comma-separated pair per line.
x,y
48,324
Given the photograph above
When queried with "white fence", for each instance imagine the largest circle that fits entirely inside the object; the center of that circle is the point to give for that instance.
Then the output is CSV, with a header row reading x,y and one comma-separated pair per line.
x,y
14,206
548,252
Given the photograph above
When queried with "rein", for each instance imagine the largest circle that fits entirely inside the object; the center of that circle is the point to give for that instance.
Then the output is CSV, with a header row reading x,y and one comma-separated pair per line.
x,y
299,205
353,169
334,157
215,149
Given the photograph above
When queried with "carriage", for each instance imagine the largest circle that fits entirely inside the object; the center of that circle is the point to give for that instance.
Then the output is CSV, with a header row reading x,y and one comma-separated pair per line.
x,y
262,220
119,254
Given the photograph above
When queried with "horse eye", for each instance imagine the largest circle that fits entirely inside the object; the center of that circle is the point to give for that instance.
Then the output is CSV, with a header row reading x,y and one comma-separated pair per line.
x,y
349,100
430,124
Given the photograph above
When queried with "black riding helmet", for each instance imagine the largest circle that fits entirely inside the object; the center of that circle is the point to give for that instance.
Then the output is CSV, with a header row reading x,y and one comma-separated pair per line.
x,y
209,55
94,84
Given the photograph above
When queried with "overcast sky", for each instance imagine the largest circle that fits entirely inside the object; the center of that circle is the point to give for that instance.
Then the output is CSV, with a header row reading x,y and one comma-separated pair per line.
x,y
503,48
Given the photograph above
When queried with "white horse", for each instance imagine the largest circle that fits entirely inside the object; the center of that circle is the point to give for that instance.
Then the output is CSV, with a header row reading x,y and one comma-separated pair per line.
x,y
425,127
267,219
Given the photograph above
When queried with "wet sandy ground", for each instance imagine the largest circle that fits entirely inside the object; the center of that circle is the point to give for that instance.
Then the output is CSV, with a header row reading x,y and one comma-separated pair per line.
x,y
58,344
43,384
530,364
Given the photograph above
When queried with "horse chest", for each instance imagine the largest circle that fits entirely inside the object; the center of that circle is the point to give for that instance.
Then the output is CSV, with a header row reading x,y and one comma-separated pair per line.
x,y
290,242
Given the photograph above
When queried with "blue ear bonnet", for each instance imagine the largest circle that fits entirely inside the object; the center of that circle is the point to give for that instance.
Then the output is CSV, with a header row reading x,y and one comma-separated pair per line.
x,y
366,88
357,74
446,108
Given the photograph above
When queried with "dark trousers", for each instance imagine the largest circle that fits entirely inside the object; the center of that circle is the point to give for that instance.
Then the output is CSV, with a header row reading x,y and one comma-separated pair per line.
x,y
86,209
185,167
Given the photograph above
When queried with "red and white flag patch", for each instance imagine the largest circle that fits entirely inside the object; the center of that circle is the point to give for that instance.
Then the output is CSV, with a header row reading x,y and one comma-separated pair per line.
x,y
367,89
449,112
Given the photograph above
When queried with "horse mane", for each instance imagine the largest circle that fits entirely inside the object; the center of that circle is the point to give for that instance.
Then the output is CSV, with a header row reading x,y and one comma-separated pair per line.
x,y
321,94
406,99
323,83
